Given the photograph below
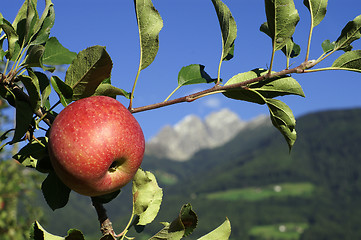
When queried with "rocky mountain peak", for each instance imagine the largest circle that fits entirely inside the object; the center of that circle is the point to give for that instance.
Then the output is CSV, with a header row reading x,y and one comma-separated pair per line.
x,y
191,134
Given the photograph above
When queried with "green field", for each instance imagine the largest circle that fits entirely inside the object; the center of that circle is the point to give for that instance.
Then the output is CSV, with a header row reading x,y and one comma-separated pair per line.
x,y
287,231
270,191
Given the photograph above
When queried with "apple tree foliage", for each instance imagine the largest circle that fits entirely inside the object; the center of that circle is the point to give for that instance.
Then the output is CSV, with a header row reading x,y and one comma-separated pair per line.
x,y
30,56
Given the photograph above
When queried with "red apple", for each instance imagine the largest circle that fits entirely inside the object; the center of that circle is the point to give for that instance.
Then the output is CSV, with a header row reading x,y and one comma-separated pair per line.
x,y
96,145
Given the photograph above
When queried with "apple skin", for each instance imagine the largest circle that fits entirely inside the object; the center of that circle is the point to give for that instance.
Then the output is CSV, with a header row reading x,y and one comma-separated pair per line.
x,y
96,145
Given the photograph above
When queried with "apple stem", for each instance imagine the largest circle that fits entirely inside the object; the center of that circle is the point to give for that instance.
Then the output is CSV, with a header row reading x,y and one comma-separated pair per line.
x,y
105,224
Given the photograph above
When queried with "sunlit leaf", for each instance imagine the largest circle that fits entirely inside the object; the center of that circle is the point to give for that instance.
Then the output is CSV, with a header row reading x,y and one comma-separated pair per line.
x,y
44,25
350,33
147,196
318,9
149,23
193,74
349,60
228,28
291,49
37,232
283,119
88,70
56,54
282,18
328,46
223,232
74,234
106,89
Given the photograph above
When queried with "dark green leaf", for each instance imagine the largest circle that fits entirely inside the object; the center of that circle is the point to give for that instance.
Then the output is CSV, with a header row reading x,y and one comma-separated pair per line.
x,y
55,192
106,198
193,74
64,91
282,18
35,155
106,89
228,28
149,23
223,232
74,234
350,33
181,227
24,117
147,196
56,54
189,219
283,119
12,38
34,58
318,9
88,70
328,46
31,84
350,60
291,49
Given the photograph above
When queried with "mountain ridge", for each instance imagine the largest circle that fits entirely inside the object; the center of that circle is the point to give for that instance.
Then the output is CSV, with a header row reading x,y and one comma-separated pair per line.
x,y
180,143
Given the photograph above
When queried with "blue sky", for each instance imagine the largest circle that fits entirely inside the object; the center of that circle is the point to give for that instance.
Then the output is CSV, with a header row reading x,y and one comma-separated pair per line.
x,y
191,35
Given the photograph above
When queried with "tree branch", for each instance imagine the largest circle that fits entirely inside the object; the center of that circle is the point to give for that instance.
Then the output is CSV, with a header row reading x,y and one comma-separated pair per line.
x,y
218,88
105,224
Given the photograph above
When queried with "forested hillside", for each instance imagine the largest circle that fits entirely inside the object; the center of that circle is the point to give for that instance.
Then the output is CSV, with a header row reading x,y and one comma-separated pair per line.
x,y
314,192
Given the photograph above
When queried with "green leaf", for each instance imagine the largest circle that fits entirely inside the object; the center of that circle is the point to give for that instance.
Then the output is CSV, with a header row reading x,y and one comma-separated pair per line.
x,y
328,46
35,155
55,192
350,33
228,28
223,232
149,24
88,70
318,9
34,58
31,84
106,89
180,227
193,74
189,219
56,54
349,60
291,49
45,89
268,88
147,196
106,198
283,119
38,233
282,18
12,38
44,25
24,117
74,234
64,91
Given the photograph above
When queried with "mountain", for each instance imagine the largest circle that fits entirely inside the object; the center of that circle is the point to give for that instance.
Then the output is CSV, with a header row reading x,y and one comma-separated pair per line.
x,y
191,134
314,192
